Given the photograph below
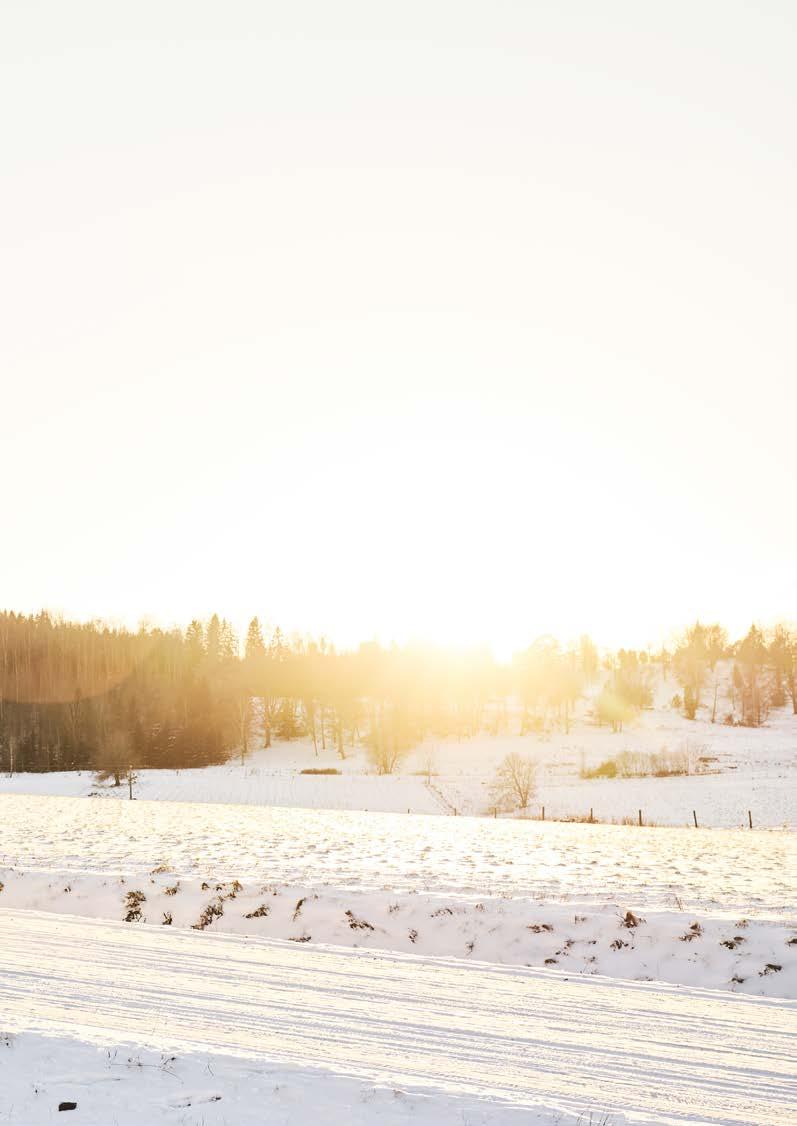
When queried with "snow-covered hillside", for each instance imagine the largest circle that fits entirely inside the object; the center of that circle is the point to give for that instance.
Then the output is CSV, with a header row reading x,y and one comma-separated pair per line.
x,y
736,770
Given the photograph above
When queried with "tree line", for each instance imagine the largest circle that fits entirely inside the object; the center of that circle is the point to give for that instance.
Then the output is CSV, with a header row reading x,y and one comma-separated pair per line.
x,y
763,673
88,696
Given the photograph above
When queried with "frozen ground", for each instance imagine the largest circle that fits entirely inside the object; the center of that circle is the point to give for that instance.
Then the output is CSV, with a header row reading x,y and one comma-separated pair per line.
x,y
722,872
520,1038
746,769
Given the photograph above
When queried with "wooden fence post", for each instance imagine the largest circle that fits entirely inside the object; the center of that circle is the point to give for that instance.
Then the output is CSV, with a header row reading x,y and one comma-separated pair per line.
x,y
694,814
640,818
749,819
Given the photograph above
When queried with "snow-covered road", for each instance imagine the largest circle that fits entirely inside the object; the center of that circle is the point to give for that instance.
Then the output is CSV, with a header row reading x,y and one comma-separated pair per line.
x,y
528,1037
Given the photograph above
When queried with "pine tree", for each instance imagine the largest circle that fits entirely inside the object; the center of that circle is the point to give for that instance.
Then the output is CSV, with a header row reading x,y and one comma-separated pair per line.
x,y
228,641
751,655
277,649
781,655
255,647
691,661
195,639
213,639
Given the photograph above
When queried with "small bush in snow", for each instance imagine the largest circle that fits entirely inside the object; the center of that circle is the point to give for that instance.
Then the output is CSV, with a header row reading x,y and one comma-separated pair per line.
x,y
259,912
357,924
214,910
133,901
642,764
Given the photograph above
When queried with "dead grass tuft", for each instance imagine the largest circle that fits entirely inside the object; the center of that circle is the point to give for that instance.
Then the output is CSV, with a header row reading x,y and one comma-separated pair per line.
x,y
133,901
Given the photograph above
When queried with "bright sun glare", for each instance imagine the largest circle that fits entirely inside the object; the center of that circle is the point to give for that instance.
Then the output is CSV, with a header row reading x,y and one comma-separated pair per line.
x,y
398,550
450,360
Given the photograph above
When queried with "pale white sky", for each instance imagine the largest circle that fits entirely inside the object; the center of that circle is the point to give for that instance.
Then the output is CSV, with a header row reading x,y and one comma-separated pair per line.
x,y
463,320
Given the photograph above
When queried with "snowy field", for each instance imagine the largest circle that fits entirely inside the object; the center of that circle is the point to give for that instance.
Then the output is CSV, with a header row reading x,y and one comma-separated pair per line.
x,y
725,871
127,1085
742,769
267,778
714,908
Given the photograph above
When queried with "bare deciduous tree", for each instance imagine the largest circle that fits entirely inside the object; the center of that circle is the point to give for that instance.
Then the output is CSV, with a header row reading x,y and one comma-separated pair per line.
x,y
115,757
242,706
513,786
388,741
429,761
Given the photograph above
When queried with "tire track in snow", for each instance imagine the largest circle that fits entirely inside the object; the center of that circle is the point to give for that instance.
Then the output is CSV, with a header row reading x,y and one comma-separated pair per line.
x,y
524,1036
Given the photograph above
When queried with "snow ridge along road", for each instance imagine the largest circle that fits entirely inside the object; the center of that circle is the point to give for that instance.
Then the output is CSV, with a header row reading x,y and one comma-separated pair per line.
x,y
659,1054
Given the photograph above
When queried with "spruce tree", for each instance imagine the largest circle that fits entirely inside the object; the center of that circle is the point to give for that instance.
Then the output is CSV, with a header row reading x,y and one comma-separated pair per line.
x,y
255,647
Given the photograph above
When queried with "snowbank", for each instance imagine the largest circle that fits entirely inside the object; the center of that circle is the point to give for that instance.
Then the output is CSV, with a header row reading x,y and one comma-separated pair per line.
x,y
128,1085
684,948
